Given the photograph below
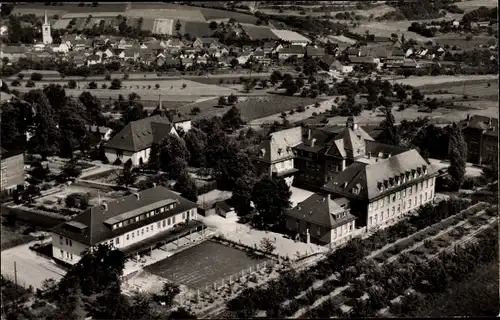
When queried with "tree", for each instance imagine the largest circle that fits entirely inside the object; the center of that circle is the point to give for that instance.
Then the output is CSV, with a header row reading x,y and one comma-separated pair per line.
x,y
457,156
154,158
71,170
276,76
390,133
56,95
213,25
30,84
72,84
46,136
115,84
234,62
127,177
232,119
157,86
232,99
168,292
196,142
267,246
35,76
187,187
181,313
271,198
174,156
222,101
92,85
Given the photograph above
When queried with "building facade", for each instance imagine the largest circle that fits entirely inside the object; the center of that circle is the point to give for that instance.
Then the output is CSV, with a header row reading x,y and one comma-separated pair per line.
x,y
385,190
132,224
321,219
12,170
481,135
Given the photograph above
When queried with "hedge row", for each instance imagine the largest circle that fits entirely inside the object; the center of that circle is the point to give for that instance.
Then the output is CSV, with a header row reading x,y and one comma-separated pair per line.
x,y
245,247
248,302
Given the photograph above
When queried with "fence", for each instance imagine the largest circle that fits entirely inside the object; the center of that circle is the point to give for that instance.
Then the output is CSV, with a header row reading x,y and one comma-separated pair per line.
x,y
226,281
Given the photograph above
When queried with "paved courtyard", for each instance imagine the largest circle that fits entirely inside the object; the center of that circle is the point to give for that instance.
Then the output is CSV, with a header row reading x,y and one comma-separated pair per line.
x,y
203,264
31,269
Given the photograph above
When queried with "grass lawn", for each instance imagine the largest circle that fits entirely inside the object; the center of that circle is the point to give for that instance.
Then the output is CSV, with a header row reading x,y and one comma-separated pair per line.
x,y
203,264
477,295
11,238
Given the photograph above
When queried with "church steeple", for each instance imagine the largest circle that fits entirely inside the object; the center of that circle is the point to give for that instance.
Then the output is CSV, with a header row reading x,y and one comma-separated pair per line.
x,y
46,34
351,123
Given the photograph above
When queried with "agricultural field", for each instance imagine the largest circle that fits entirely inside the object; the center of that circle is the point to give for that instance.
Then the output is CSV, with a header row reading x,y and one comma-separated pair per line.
x,y
145,89
440,81
385,29
474,4
258,32
38,8
462,42
196,29
203,264
471,88
251,107
214,14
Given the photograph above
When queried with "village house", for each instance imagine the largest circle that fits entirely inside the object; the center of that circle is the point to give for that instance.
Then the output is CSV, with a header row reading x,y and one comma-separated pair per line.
x,y
313,52
103,132
321,219
13,53
11,170
132,224
481,135
293,50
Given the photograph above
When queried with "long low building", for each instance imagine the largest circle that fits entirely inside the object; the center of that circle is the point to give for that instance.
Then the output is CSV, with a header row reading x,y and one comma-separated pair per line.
x,y
133,224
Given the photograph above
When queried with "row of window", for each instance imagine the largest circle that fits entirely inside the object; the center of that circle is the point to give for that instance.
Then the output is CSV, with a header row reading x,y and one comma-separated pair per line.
x,y
68,241
342,230
142,216
401,194
68,255
159,225
423,197
402,180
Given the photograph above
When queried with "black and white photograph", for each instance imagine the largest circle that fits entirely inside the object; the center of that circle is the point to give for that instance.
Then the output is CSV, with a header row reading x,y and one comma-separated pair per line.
x,y
249,159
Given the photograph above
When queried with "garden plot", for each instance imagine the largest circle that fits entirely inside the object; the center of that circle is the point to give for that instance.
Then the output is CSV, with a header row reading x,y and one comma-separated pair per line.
x,y
251,107
443,80
385,29
56,200
203,264
474,4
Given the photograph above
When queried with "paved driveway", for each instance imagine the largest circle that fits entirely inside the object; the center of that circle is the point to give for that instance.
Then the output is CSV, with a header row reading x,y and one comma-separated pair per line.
x,y
31,268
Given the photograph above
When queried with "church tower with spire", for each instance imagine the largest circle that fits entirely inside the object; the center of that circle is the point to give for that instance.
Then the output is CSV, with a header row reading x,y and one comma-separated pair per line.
x,y
46,32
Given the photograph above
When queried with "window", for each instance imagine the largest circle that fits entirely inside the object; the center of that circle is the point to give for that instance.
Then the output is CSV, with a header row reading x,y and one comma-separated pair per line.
x,y
136,218
120,224
387,200
426,183
432,181
147,229
117,240
133,235
173,220
421,185
70,243
425,197
388,213
376,218
410,191
162,209
318,231
158,225
62,254
420,200
370,206
152,227
398,195
382,203
67,241
350,226
164,223
142,231
409,203
71,256
183,215
128,237
169,221
403,193
404,205
371,221
138,232
192,213
393,211
67,255
60,240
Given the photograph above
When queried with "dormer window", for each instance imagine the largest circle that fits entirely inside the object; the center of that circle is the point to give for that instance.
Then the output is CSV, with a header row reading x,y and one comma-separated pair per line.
x,y
344,185
114,227
262,152
280,151
288,149
425,169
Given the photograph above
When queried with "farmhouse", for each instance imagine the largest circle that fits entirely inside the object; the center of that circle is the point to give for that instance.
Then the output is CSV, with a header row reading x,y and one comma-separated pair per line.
x,y
132,224
291,51
13,53
321,219
481,135
134,141
12,170
383,190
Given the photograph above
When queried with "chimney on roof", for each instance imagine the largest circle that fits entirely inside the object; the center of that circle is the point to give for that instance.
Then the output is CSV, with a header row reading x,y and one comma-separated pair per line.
x,y
468,117
308,134
104,207
137,195
312,142
389,155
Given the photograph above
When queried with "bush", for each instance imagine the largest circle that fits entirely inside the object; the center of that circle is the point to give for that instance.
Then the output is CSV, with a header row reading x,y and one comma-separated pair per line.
x,y
117,162
35,76
30,84
300,109
71,84
15,83
107,77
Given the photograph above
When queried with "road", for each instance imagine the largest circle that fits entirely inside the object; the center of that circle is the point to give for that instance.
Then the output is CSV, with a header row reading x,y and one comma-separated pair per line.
x,y
31,268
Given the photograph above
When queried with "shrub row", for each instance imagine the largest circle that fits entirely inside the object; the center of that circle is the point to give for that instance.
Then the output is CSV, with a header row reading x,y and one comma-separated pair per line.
x,y
344,257
245,247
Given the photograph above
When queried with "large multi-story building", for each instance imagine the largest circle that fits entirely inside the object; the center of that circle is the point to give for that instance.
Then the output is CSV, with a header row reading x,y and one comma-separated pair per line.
x,y
12,169
481,135
382,191
132,224
323,154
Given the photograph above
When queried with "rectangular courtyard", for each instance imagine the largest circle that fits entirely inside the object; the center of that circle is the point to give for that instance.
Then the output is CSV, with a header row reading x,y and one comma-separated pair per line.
x,y
202,265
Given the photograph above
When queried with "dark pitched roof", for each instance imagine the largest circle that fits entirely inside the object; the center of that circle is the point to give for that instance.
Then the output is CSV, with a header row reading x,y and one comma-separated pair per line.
x,y
90,228
311,51
293,50
356,59
375,148
490,125
322,210
224,205
14,49
141,134
368,177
